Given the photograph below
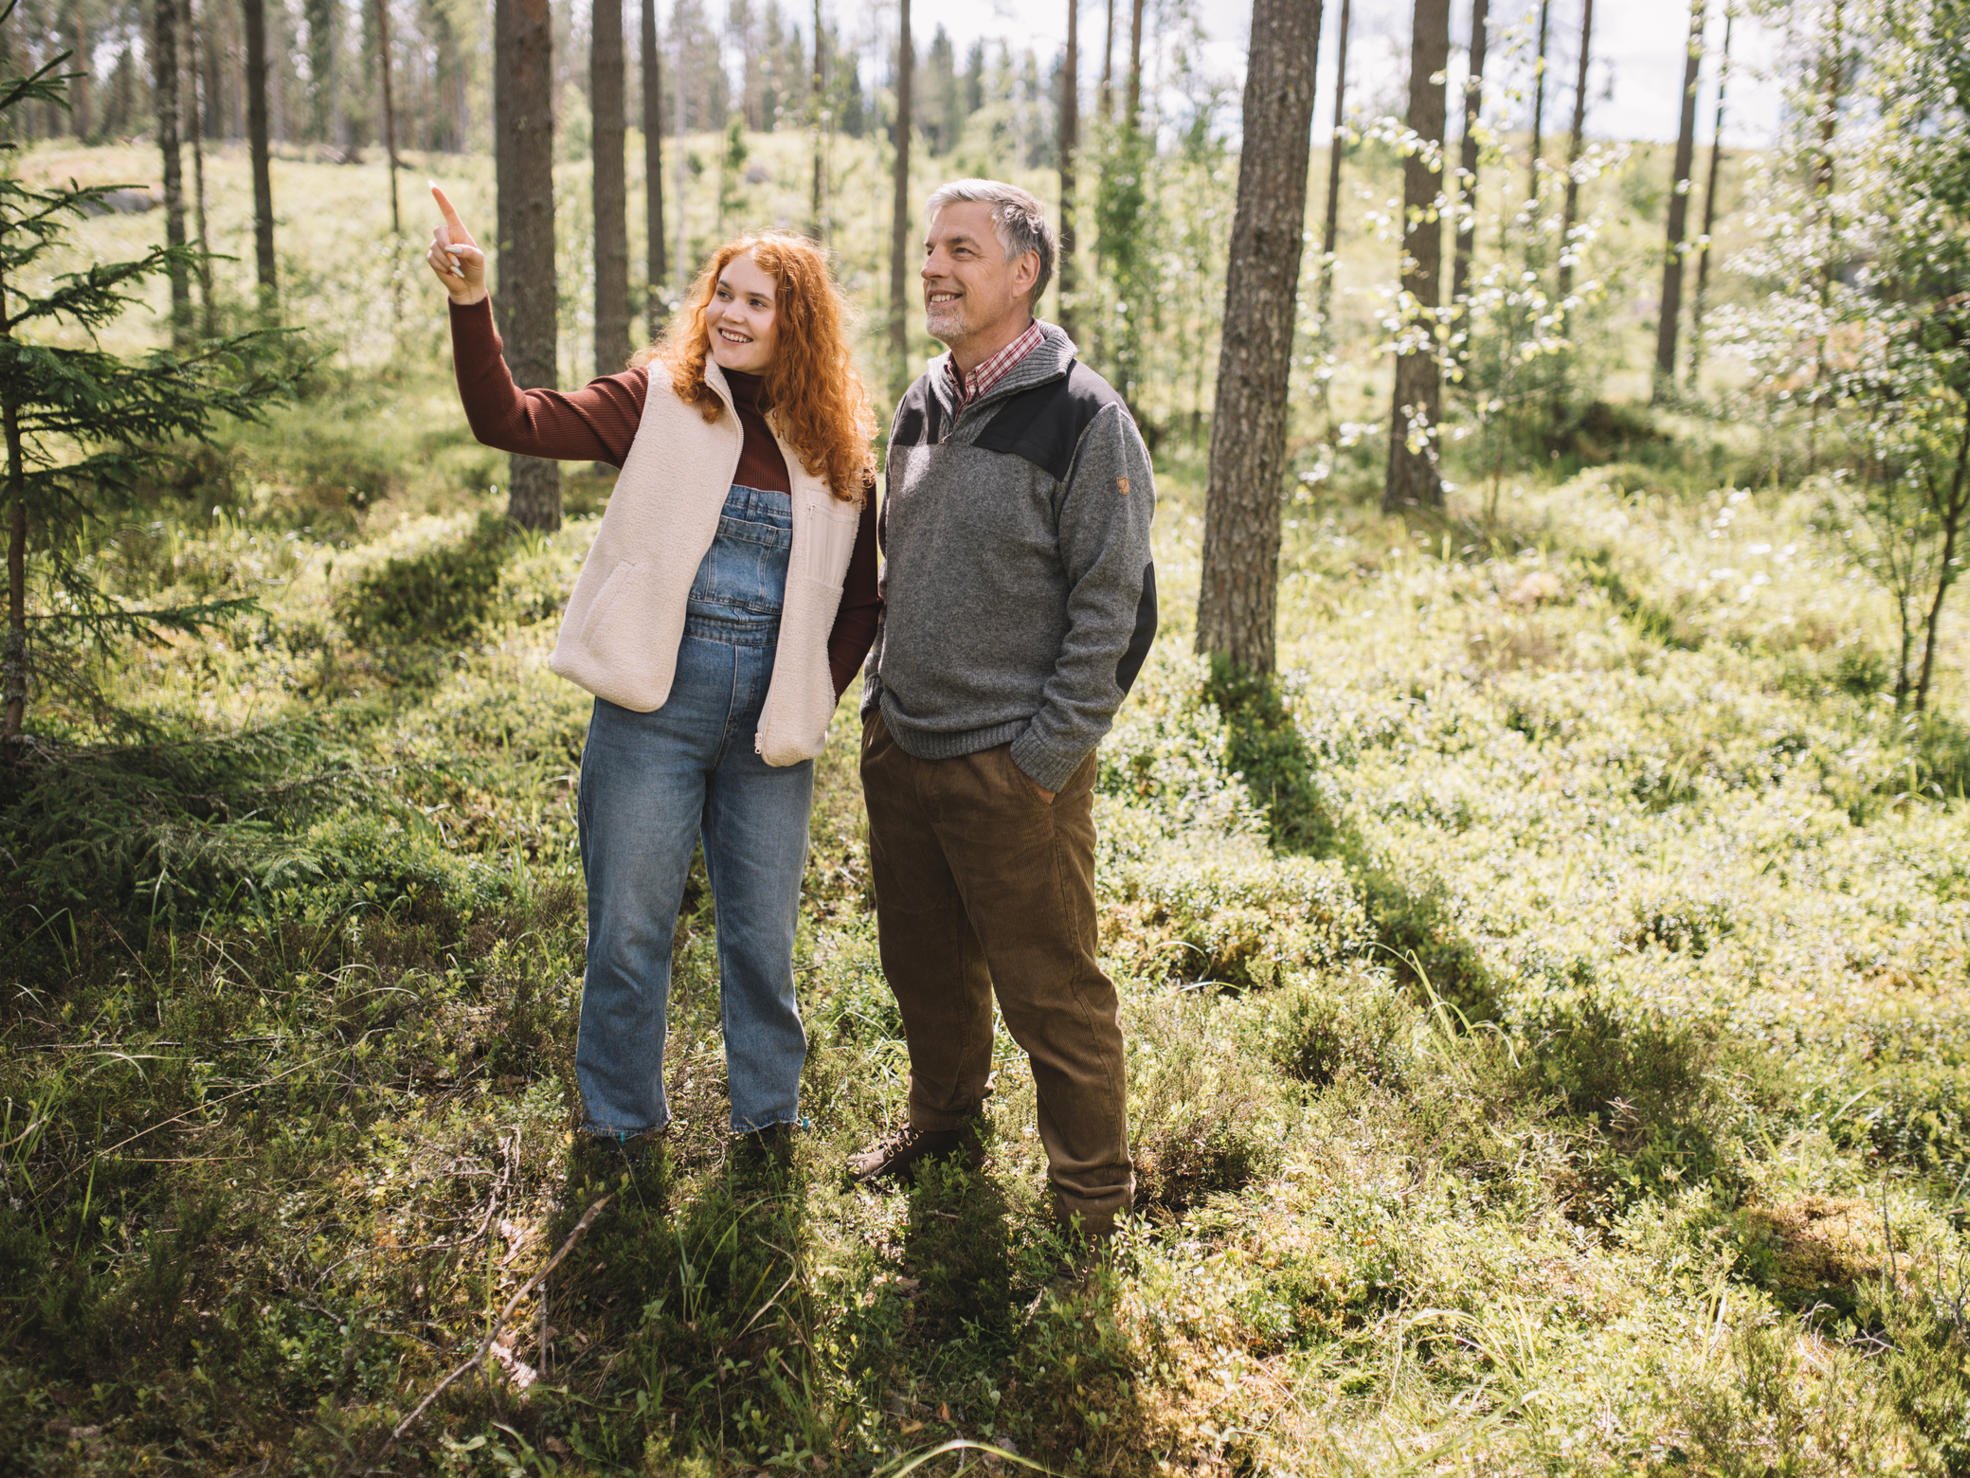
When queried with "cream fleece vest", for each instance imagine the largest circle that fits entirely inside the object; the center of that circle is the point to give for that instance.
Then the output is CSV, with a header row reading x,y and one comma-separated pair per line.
x,y
625,620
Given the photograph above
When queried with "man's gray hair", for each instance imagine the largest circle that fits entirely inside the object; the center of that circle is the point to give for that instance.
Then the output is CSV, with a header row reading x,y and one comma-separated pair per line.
x,y
1018,220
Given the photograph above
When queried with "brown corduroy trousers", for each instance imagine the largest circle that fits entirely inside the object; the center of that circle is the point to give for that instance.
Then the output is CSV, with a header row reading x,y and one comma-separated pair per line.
x,y
982,886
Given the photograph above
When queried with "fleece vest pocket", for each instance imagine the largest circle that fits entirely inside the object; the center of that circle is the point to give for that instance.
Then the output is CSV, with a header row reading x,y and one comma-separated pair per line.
x,y
624,617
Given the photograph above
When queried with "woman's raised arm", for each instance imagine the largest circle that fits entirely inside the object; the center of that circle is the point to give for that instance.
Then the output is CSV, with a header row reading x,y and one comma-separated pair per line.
x,y
595,423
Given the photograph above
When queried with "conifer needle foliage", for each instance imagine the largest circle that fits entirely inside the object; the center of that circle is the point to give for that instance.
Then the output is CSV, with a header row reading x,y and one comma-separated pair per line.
x,y
83,427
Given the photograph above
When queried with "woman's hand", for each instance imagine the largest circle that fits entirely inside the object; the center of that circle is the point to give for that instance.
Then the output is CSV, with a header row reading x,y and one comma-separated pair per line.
x,y
456,257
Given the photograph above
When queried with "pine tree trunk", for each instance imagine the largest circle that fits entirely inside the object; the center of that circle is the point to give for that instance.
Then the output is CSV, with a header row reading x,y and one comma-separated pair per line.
x,y
1576,143
899,213
610,138
390,158
1679,211
654,310
13,681
225,83
165,81
1467,163
278,74
1412,473
13,657
256,142
1105,104
1950,511
1135,62
83,65
817,119
241,112
389,114
1330,228
523,131
1237,603
1533,182
1832,72
680,264
1070,143
195,112
1705,245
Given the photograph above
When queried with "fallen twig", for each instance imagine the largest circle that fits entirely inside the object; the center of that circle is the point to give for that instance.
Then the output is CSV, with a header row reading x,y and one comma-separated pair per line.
x,y
473,1360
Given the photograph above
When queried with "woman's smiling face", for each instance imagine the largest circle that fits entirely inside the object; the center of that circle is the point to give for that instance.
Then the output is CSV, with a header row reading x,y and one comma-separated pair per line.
x,y
741,318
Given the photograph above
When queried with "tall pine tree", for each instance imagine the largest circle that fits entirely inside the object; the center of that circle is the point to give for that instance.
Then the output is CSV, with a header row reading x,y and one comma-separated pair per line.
x,y
523,130
1679,210
1237,600
1412,475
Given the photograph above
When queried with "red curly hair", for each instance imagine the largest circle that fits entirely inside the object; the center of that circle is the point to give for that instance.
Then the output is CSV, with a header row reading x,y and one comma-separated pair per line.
x,y
811,386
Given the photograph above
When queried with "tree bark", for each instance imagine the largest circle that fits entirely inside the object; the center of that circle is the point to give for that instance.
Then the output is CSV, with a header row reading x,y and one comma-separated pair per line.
x,y
1951,511
658,273
1679,210
1832,73
1467,163
523,133
1070,143
1412,473
1105,104
679,157
1237,603
389,114
1576,143
195,111
1533,181
1330,228
390,152
899,213
83,63
165,80
610,191
255,12
1135,62
1705,246
817,107
13,656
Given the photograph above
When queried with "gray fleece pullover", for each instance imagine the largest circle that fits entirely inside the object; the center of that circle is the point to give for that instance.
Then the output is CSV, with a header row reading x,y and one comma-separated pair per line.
x,y
1019,597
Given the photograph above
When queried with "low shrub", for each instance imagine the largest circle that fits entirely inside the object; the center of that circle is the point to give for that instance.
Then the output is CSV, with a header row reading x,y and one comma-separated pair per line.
x,y
438,594
1318,1027
1201,1121
1236,924
1646,1079
165,829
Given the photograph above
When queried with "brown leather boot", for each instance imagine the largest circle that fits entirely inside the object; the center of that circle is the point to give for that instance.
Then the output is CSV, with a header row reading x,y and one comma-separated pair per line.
x,y
897,1155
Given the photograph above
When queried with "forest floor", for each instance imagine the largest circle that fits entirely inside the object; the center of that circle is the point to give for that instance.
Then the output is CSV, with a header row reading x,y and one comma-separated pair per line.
x,y
1547,1044
1546,1021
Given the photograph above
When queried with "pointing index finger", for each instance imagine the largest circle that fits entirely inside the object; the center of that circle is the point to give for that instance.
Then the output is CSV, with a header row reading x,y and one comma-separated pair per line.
x,y
445,206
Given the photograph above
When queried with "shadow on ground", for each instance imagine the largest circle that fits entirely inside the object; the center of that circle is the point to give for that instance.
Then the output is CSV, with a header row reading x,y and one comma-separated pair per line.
x,y
1412,923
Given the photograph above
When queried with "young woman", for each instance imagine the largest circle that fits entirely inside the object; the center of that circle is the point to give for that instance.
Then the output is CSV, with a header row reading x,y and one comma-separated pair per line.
x,y
727,600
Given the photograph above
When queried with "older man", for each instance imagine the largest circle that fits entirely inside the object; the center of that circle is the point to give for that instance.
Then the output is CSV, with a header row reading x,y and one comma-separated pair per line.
x,y
1019,603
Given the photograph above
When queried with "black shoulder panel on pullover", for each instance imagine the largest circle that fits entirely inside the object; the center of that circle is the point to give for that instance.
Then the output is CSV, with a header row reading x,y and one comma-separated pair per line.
x,y
919,417
1043,425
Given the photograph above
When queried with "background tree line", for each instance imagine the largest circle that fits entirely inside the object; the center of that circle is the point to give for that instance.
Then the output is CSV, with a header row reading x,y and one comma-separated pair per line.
x,y
325,64
1488,282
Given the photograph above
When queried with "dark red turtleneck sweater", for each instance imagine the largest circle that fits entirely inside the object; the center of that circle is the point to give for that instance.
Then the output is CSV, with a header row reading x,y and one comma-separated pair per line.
x,y
598,422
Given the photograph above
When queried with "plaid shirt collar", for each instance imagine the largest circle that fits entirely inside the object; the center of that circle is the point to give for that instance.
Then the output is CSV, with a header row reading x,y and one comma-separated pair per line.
x,y
993,370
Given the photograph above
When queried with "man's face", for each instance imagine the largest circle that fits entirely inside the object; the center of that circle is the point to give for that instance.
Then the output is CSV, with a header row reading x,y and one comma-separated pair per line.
x,y
971,293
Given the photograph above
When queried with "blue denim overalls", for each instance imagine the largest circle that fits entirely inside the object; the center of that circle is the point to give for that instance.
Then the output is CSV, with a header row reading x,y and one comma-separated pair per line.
x,y
652,784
